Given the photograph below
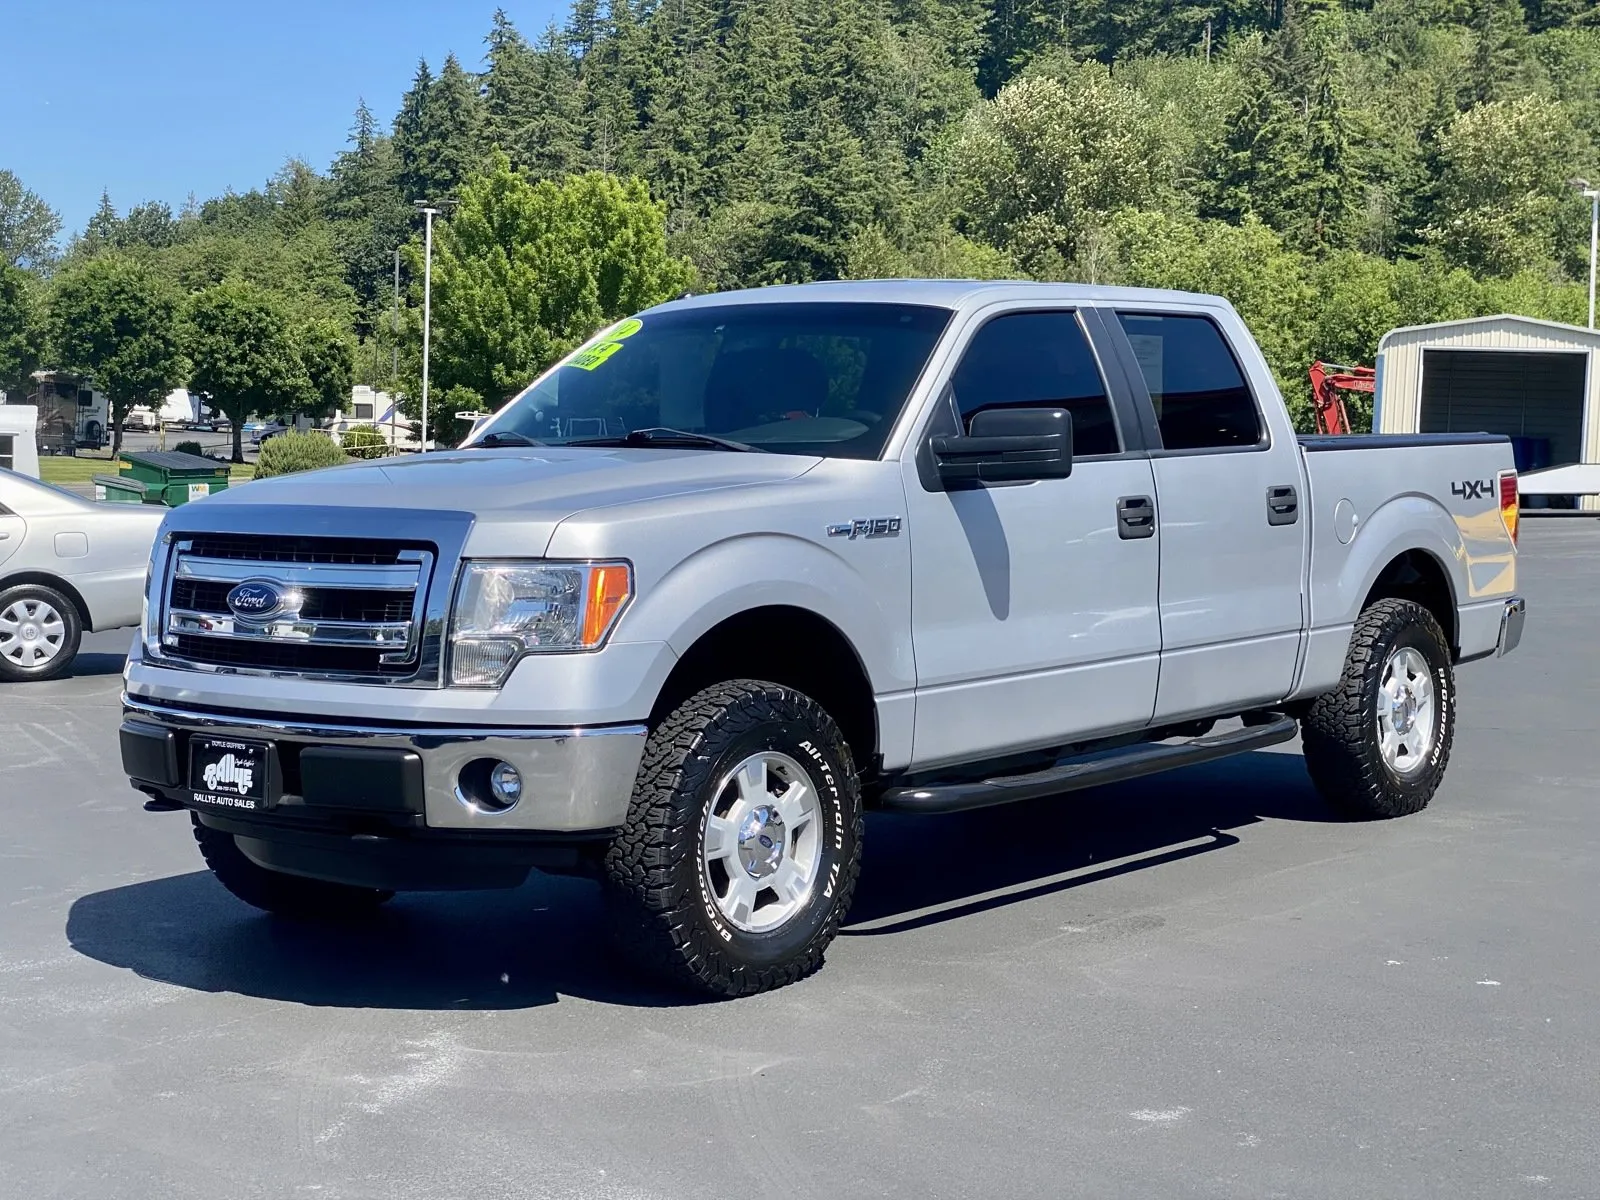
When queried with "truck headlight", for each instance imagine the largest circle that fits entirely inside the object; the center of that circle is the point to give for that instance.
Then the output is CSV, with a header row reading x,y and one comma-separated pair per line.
x,y
504,610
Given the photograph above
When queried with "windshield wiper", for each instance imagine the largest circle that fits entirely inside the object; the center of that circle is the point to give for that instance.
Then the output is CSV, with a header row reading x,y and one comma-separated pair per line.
x,y
508,438
660,435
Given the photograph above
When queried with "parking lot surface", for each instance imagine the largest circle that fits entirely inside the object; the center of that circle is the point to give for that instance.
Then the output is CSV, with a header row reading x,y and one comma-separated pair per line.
x,y
1198,985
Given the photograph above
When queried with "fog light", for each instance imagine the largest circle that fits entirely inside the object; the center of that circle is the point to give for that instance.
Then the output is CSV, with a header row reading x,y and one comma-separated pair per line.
x,y
505,784
489,786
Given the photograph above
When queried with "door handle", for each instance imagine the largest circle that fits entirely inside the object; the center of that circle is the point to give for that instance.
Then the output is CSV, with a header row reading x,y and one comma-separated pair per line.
x,y
1283,505
1136,518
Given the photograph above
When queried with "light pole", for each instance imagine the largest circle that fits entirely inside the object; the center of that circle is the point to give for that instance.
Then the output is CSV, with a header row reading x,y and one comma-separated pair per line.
x,y
428,214
1592,195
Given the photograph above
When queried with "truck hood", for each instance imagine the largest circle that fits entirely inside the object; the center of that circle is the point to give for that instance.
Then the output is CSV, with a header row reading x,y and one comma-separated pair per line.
x,y
532,488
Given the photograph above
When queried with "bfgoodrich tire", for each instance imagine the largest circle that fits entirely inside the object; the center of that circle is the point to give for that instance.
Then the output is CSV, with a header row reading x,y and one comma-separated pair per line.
x,y
742,843
1378,744
40,631
275,892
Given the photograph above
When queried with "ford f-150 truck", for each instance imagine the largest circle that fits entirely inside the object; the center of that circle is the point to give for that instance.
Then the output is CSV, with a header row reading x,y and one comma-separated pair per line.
x,y
746,565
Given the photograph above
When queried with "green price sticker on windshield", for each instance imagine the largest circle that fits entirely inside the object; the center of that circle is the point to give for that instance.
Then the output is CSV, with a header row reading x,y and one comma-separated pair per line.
x,y
605,345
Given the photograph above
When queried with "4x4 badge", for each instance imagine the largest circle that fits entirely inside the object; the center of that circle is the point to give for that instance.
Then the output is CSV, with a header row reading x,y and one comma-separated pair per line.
x,y
869,527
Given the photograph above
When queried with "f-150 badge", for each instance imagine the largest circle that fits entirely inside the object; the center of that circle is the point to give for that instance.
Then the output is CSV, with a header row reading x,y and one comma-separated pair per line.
x,y
868,527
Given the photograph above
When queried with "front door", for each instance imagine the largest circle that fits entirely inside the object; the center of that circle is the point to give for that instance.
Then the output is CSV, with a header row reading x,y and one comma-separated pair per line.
x,y
1232,533
1033,607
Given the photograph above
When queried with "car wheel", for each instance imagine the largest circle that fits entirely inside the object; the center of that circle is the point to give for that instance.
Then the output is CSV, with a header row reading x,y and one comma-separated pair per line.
x,y
279,893
742,844
1378,744
39,633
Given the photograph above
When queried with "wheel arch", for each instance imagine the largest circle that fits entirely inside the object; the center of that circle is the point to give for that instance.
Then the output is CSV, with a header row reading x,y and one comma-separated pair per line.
x,y
54,583
1418,575
788,645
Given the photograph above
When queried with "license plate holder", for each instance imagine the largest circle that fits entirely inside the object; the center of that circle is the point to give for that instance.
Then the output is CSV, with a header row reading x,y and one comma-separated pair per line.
x,y
232,775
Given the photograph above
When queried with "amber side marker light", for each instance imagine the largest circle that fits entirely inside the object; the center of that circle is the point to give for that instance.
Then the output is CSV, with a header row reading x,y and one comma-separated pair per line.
x,y
609,589
1509,504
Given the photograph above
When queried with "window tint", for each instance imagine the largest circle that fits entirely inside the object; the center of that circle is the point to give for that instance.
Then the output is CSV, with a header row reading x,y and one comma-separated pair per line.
x,y
8,448
1199,393
1038,360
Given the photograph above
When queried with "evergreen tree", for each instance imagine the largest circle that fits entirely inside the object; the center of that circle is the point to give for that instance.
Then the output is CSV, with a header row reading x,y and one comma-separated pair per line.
x,y
102,231
507,84
369,216
410,135
1499,36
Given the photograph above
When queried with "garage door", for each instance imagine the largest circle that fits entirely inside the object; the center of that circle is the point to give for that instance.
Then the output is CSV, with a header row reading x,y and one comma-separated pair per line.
x,y
1523,395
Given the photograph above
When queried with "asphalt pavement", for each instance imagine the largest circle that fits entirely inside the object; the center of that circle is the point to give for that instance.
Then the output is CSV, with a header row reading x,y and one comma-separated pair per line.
x,y
1201,985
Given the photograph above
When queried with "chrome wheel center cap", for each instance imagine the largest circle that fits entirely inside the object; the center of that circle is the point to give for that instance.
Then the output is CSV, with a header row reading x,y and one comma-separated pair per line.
x,y
30,633
1403,712
762,838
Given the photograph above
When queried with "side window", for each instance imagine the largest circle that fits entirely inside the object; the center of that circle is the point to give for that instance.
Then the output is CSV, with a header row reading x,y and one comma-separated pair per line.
x,y
1038,360
8,449
1200,395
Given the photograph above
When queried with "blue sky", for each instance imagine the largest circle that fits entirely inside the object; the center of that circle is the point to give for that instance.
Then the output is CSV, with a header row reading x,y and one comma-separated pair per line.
x,y
154,99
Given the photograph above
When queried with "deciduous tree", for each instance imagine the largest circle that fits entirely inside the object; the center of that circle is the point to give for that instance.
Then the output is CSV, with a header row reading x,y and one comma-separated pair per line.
x,y
115,319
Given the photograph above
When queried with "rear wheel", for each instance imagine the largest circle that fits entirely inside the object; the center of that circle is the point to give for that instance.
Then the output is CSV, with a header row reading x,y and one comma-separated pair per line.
x,y
742,844
39,633
274,891
1378,744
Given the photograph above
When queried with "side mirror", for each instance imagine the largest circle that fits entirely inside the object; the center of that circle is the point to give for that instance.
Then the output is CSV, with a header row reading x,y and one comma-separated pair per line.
x,y
1008,445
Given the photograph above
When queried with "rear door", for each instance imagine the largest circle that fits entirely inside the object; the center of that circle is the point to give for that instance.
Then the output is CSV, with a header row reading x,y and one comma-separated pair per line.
x,y
11,531
1228,494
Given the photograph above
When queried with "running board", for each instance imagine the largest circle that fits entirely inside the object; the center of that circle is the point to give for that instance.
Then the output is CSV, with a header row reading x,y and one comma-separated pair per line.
x,y
1110,766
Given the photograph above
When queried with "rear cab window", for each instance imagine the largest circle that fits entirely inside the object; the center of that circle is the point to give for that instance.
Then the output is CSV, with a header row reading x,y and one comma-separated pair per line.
x,y
1197,388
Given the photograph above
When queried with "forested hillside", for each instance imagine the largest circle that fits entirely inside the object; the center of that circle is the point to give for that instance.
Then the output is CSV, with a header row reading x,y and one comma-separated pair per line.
x,y
1336,169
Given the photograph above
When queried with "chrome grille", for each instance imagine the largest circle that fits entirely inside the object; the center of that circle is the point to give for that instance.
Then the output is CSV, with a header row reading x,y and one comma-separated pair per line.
x,y
346,607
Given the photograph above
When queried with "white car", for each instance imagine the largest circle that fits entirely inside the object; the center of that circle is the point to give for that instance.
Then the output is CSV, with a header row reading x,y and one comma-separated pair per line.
x,y
67,565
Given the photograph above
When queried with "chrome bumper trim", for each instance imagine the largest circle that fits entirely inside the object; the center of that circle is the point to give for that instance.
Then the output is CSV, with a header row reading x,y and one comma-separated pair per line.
x,y
574,779
1511,622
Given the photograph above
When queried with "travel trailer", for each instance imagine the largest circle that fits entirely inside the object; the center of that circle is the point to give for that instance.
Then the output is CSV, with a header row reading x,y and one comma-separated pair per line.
x,y
72,415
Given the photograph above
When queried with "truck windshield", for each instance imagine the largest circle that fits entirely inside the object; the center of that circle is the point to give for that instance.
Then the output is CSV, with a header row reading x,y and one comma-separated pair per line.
x,y
813,378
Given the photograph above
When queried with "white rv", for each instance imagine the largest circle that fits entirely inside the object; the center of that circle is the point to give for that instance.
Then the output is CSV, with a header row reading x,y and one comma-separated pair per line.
x,y
18,423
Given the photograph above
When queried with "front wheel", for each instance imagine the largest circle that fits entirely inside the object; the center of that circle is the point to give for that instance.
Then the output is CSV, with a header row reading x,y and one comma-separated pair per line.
x,y
279,893
1378,744
742,844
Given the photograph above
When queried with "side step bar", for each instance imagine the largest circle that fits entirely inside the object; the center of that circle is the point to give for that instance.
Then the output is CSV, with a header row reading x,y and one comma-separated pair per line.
x,y
1094,770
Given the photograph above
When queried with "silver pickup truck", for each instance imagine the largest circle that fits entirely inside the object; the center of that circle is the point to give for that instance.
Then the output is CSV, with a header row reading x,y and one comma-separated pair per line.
x,y
745,565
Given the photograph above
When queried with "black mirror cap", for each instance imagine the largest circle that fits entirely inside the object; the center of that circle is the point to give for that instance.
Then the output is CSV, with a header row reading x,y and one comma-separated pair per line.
x,y
1007,445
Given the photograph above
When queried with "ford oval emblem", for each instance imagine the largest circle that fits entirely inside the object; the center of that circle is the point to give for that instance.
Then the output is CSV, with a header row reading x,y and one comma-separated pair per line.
x,y
256,599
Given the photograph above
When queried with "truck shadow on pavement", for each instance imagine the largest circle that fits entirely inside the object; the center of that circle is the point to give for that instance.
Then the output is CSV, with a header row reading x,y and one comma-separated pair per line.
x,y
920,871
525,948
88,666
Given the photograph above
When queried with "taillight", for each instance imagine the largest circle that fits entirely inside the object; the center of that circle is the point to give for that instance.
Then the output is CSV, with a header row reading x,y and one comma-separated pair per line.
x,y
1508,503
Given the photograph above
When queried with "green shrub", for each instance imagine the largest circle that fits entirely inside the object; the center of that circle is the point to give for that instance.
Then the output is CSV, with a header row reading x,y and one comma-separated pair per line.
x,y
290,452
190,448
365,441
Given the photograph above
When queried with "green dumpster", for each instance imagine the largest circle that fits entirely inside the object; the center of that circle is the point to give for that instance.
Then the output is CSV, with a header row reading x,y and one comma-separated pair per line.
x,y
118,489
172,478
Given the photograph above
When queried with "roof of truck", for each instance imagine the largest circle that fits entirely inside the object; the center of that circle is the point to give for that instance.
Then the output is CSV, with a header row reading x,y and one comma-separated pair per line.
x,y
938,293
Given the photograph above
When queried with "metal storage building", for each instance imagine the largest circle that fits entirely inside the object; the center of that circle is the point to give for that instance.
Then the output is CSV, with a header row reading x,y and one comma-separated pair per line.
x,y
1533,380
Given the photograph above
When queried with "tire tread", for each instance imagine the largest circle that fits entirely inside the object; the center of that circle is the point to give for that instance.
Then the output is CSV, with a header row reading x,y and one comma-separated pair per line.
x,y
653,916
1337,734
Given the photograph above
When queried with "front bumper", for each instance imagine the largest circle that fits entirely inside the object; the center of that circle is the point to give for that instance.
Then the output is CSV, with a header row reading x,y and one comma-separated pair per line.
x,y
575,780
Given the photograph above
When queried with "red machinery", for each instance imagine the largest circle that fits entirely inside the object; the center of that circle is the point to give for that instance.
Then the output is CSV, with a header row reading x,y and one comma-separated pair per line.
x,y
1327,382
